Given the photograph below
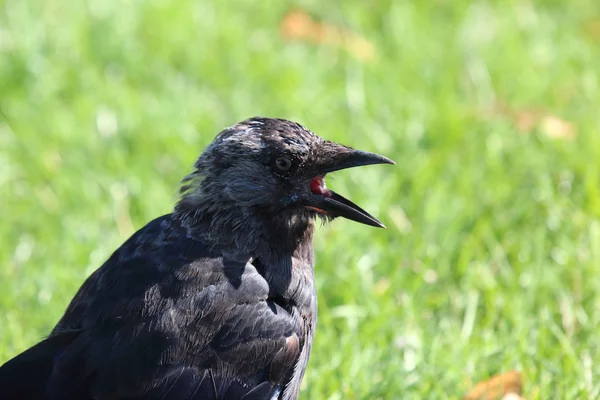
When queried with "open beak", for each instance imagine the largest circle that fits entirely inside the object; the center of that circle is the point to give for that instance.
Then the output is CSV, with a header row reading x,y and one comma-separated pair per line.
x,y
334,157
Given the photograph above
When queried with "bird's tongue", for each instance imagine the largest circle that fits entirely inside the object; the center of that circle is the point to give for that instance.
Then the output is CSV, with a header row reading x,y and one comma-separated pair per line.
x,y
317,186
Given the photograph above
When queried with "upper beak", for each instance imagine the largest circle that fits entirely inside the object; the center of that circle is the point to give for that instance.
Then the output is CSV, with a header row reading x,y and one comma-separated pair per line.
x,y
335,157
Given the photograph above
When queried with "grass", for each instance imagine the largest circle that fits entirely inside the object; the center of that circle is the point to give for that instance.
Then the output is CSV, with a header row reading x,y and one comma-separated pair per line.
x,y
491,260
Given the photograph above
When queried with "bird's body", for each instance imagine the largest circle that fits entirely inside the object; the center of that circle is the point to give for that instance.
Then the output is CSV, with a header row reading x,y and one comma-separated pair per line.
x,y
213,301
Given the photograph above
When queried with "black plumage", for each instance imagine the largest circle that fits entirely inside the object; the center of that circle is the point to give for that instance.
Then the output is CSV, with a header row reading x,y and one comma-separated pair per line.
x,y
213,301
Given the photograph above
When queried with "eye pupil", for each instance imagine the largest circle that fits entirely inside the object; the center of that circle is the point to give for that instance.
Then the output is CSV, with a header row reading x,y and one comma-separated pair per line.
x,y
283,163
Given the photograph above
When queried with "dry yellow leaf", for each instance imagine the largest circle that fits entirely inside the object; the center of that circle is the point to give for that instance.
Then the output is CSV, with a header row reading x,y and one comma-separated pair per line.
x,y
526,120
555,127
298,25
497,387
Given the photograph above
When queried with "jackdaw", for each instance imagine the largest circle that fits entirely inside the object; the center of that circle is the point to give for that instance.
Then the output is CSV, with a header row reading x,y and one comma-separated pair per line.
x,y
215,300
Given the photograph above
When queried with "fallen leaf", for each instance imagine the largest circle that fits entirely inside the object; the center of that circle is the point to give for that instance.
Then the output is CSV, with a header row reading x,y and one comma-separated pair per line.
x,y
512,396
528,120
501,386
557,128
298,25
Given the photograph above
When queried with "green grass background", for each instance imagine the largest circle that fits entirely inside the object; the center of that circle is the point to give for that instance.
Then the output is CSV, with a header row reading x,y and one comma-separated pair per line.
x,y
491,259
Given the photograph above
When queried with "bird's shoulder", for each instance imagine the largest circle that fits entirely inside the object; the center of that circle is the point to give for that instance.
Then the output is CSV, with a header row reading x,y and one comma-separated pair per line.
x,y
157,268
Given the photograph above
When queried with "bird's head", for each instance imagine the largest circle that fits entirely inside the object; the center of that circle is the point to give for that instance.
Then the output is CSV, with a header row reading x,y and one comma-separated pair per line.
x,y
274,167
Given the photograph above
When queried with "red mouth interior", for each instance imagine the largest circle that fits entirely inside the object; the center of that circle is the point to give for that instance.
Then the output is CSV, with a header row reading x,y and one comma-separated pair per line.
x,y
317,186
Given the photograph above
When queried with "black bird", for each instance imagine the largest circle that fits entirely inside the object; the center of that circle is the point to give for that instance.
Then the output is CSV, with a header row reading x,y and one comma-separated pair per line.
x,y
215,300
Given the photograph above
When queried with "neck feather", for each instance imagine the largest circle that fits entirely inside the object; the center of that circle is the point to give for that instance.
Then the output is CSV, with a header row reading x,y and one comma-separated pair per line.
x,y
254,231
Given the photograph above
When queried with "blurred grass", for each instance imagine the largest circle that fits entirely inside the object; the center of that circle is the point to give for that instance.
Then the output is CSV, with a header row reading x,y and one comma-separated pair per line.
x,y
492,257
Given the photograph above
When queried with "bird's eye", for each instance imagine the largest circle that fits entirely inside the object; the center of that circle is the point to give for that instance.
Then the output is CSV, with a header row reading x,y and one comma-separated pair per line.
x,y
283,163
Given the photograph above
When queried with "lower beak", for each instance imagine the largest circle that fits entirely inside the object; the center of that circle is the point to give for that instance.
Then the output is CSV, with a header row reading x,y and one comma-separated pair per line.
x,y
335,205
